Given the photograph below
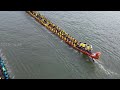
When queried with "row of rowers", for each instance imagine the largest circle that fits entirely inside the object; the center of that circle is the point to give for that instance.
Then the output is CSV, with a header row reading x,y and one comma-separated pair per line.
x,y
3,71
63,35
40,17
72,41
43,19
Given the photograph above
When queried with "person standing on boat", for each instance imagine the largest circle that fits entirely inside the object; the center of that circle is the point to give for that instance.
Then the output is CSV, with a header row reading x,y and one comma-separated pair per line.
x,y
89,48
84,45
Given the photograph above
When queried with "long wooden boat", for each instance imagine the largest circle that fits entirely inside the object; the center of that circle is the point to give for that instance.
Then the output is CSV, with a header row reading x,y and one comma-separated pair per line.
x,y
92,55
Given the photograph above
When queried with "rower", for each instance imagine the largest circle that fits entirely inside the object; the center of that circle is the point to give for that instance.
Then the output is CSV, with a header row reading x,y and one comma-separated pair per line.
x,y
87,48
65,38
80,45
72,39
90,49
63,33
66,35
6,74
58,33
53,30
62,37
38,15
3,68
1,71
75,40
58,30
74,44
45,21
2,64
84,45
69,41
77,43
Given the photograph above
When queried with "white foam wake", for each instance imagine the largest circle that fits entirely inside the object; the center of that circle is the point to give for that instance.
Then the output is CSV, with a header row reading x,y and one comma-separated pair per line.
x,y
107,71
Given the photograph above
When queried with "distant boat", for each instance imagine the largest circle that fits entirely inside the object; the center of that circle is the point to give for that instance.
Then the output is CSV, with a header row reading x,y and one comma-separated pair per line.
x,y
3,70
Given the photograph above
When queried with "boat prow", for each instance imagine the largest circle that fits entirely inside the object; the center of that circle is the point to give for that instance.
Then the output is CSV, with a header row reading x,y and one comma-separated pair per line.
x,y
95,55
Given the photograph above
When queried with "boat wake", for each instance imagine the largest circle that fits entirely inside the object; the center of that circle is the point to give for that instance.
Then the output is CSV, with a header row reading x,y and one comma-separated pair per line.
x,y
106,71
